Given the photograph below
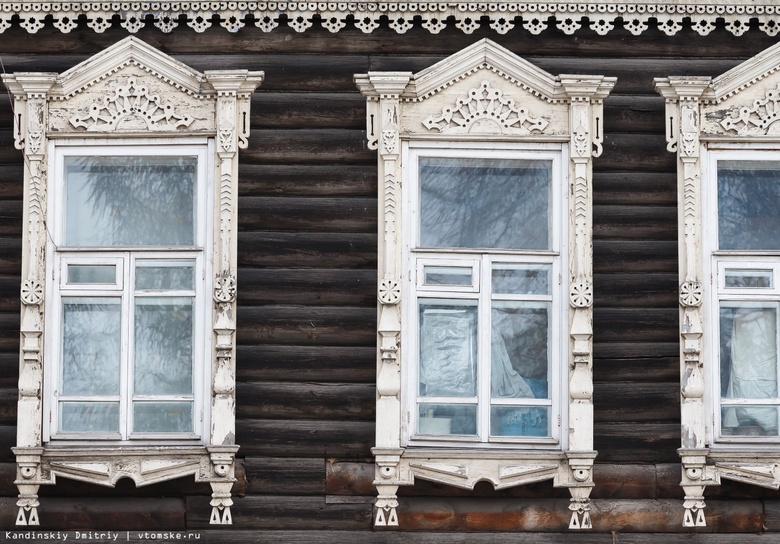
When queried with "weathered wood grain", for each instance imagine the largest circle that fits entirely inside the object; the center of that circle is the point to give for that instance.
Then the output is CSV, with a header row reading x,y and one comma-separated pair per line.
x,y
617,401
295,438
283,512
292,249
634,256
635,153
298,363
319,110
634,188
305,325
295,146
285,476
640,324
634,113
637,442
313,214
306,286
635,290
327,401
635,222
317,180
638,370
107,514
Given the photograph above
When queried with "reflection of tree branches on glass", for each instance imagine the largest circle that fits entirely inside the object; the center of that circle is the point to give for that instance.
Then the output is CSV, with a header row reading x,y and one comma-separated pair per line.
x,y
90,347
520,350
130,201
481,203
163,346
748,204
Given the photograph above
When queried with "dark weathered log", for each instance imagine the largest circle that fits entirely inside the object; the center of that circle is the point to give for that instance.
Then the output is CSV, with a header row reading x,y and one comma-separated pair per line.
x,y
305,325
640,324
10,255
307,214
635,222
306,286
288,438
637,442
320,110
282,512
634,188
331,180
9,331
617,401
298,249
310,401
634,256
639,370
285,476
10,217
636,350
8,398
633,114
636,153
635,290
355,364
12,179
308,147
103,514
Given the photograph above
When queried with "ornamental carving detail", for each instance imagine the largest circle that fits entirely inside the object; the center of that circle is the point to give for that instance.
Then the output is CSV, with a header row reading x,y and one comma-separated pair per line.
x,y
691,293
757,119
32,292
225,289
389,291
486,110
581,294
132,107
534,16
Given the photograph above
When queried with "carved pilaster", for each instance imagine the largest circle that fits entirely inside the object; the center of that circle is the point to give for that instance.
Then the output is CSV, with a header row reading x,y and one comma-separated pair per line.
x,y
683,127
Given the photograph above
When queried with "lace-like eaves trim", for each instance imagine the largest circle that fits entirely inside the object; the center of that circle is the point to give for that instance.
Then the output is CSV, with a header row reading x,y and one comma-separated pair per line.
x,y
535,16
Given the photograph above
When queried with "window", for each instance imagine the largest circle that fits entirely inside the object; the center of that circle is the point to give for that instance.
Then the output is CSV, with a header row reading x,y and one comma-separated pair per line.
x,y
129,260
484,336
127,365
745,250
486,319
724,133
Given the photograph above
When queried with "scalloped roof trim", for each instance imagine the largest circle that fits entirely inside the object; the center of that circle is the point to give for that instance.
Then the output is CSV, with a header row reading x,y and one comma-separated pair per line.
x,y
534,16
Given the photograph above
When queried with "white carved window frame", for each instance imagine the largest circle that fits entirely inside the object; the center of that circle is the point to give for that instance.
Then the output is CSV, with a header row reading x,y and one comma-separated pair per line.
x,y
481,97
415,258
706,118
130,95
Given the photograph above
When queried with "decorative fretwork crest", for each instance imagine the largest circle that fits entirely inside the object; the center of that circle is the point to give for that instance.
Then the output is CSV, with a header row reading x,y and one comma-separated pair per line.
x,y
758,119
132,107
485,109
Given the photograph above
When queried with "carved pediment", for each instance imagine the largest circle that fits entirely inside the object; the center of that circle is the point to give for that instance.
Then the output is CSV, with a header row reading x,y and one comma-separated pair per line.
x,y
758,119
487,110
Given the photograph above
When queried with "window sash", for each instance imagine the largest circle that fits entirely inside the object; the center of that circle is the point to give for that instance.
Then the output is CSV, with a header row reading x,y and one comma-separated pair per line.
x,y
481,261
126,261
741,278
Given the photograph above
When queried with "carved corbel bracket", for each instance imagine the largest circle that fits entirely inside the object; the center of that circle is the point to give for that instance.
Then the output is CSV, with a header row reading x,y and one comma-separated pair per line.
x,y
696,476
580,484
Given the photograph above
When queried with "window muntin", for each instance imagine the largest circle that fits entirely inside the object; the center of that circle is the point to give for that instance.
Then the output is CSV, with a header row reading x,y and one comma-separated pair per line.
x,y
488,349
142,337
746,295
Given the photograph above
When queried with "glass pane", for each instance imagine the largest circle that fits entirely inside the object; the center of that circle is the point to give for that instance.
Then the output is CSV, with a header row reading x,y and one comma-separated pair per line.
x,y
447,275
521,279
130,201
163,346
749,421
736,277
91,346
92,273
162,417
520,351
78,417
748,350
178,277
519,421
485,203
748,200
447,419
448,349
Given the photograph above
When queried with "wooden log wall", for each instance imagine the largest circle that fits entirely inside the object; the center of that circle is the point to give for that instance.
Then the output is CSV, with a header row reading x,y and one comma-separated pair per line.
x,y
307,284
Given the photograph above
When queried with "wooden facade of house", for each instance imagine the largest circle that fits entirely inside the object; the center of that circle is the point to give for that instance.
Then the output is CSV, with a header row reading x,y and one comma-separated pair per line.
x,y
307,302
